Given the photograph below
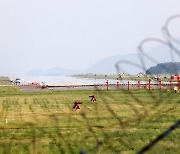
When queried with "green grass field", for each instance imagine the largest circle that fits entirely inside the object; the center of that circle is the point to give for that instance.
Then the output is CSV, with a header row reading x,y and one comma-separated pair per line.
x,y
119,122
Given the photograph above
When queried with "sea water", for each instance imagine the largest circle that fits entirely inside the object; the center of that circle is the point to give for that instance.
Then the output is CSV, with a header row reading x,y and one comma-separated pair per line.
x,y
63,79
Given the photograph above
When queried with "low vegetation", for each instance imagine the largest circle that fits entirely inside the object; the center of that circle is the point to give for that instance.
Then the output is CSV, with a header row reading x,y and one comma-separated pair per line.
x,y
119,122
5,81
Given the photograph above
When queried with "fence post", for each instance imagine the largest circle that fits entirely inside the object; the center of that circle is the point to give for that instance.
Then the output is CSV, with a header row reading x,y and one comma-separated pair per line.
x,y
128,85
170,84
117,85
149,86
160,84
107,85
138,85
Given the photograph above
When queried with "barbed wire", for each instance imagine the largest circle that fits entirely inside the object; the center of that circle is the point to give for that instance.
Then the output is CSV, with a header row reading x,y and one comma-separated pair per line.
x,y
168,42
60,138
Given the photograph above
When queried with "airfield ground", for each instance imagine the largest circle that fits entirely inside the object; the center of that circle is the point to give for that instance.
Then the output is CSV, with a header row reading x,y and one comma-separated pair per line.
x,y
119,122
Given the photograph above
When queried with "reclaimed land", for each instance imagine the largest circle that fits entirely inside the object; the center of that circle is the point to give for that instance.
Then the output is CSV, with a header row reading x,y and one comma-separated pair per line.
x,y
164,77
119,122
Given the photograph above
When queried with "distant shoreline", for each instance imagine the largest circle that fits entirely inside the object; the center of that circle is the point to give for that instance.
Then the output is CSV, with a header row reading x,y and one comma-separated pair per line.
x,y
124,77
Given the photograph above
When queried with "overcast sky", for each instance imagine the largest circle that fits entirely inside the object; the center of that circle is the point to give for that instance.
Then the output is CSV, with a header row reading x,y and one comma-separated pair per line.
x,y
75,33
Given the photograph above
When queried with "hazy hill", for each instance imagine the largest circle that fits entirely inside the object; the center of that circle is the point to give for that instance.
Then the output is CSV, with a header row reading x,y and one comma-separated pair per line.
x,y
36,72
54,71
165,68
60,71
107,66
160,54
